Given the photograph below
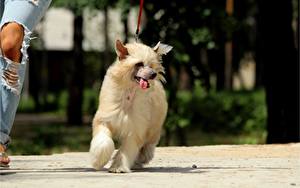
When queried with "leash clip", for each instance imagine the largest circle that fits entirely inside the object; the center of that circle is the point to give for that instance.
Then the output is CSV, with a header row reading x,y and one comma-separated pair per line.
x,y
139,21
136,37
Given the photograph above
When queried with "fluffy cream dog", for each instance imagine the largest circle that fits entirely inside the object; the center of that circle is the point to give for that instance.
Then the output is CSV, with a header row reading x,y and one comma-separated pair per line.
x,y
132,108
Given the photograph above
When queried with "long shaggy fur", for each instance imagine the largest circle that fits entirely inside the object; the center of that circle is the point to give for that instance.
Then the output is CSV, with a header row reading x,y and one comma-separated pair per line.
x,y
127,112
102,147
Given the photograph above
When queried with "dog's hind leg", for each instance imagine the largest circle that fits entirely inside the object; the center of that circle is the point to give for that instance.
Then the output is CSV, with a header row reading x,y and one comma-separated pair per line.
x,y
145,155
102,147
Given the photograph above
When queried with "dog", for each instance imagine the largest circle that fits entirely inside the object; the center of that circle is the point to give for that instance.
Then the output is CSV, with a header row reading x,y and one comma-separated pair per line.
x,y
132,108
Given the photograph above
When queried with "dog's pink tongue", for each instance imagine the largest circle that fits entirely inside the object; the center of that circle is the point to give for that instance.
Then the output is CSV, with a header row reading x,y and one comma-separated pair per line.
x,y
143,84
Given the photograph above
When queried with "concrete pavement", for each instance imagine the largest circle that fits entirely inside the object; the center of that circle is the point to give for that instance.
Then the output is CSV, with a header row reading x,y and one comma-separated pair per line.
x,y
223,166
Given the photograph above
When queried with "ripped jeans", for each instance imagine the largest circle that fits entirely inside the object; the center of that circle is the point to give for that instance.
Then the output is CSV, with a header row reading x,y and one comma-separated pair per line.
x,y
26,13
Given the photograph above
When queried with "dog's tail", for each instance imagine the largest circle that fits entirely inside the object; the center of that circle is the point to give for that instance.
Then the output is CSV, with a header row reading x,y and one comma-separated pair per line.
x,y
102,147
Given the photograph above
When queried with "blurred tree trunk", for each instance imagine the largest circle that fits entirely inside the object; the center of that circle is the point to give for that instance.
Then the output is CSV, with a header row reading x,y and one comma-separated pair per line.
x,y
185,83
258,67
106,36
217,59
172,88
228,65
205,73
124,18
228,50
106,56
281,70
74,111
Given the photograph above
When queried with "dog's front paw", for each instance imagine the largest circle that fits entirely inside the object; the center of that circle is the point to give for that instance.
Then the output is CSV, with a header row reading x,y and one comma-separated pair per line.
x,y
120,169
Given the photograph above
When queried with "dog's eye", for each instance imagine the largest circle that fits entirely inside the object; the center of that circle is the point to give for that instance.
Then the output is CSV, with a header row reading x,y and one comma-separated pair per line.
x,y
139,64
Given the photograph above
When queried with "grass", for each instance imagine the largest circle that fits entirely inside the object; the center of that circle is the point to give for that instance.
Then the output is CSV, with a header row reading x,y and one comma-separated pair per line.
x,y
49,138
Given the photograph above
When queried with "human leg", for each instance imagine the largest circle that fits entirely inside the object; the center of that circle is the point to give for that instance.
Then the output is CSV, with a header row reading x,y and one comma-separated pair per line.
x,y
18,20
11,38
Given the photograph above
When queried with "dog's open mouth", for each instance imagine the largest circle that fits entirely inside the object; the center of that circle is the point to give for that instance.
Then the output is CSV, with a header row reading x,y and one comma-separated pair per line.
x,y
144,84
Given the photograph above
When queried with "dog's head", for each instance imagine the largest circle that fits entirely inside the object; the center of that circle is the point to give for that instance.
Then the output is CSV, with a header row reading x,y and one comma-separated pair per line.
x,y
139,63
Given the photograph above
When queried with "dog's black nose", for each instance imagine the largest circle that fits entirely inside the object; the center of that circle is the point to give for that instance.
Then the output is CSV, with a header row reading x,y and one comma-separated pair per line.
x,y
153,75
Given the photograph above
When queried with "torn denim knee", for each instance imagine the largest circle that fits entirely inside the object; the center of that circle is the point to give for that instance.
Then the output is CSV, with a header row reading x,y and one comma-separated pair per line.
x,y
10,76
13,73
35,2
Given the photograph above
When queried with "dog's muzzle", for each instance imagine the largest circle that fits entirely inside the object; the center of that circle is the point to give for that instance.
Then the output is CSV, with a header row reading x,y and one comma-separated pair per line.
x,y
143,75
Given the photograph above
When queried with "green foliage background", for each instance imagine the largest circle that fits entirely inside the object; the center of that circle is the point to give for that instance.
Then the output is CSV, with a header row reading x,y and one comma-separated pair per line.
x,y
201,112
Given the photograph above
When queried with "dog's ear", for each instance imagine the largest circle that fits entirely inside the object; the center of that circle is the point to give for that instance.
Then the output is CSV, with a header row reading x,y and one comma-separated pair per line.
x,y
121,50
162,49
